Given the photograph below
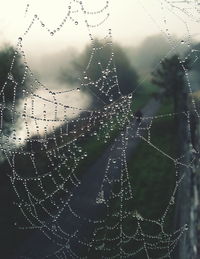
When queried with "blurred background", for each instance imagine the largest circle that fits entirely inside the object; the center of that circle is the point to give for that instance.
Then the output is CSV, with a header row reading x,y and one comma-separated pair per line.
x,y
156,48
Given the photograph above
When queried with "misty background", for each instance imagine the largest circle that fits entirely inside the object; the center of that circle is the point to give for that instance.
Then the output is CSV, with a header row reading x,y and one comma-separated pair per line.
x,y
150,40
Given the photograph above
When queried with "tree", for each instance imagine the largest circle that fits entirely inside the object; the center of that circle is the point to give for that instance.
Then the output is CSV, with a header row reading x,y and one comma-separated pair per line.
x,y
101,65
170,76
6,56
194,55
146,56
10,93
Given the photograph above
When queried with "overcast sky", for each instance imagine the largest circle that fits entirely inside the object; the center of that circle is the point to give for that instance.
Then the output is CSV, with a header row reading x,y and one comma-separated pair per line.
x,y
131,21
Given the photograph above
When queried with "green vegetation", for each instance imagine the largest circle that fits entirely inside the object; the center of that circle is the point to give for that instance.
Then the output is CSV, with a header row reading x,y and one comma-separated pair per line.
x,y
143,94
94,147
152,181
10,235
151,173
99,77
12,94
146,56
152,177
170,76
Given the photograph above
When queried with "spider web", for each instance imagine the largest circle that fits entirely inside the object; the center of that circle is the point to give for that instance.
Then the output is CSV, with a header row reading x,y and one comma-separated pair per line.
x,y
49,190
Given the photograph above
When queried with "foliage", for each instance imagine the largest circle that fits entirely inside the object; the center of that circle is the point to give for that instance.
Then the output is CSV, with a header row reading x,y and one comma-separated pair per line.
x,y
146,56
152,181
10,92
170,76
127,76
6,57
194,55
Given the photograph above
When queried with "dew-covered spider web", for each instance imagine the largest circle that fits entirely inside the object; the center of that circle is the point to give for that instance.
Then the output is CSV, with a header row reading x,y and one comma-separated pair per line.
x,y
89,214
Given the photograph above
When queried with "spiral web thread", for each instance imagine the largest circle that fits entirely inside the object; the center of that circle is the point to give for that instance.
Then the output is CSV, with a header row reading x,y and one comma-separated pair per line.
x,y
45,197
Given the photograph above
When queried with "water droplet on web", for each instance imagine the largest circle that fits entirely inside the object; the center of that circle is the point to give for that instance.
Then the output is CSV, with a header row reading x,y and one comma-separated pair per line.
x,y
137,215
10,76
114,161
172,201
186,227
54,227
101,247
100,123
67,246
100,197
163,237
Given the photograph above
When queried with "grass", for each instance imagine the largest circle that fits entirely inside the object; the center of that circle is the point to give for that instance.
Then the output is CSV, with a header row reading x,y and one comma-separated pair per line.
x,y
144,93
152,174
10,236
95,148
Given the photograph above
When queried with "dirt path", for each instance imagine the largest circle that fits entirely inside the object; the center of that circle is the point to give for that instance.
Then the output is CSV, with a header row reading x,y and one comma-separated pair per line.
x,y
83,202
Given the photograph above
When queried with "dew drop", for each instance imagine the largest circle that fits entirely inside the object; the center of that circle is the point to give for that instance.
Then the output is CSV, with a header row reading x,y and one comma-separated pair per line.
x,y
114,161
111,99
172,201
67,246
54,228
186,227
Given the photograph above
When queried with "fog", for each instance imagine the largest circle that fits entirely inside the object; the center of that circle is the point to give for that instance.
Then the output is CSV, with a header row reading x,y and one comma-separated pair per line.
x,y
147,30
131,22
47,115
109,142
